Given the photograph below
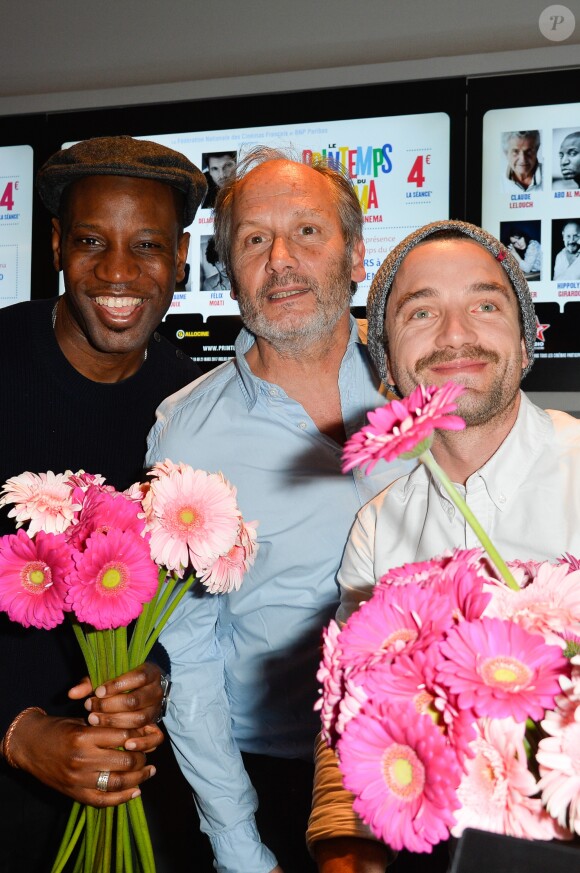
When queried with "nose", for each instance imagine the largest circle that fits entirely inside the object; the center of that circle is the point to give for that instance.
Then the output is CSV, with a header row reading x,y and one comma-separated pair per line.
x,y
456,329
280,258
117,266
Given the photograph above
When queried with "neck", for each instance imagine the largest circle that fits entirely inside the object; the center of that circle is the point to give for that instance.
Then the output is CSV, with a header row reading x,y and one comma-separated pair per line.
x,y
309,376
462,453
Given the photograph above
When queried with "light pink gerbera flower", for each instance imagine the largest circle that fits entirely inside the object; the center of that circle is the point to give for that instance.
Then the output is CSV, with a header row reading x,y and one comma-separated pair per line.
x,y
559,756
115,577
548,605
404,427
331,676
393,621
496,792
33,578
403,774
194,518
44,499
103,509
498,669
227,572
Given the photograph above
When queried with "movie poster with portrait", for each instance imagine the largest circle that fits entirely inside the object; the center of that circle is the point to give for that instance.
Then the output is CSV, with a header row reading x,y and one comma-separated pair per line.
x,y
531,201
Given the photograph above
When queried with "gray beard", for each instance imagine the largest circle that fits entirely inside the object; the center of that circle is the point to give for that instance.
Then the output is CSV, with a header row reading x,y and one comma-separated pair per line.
x,y
295,336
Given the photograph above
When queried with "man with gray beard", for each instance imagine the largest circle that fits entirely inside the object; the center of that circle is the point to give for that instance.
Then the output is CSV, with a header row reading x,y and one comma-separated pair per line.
x,y
274,421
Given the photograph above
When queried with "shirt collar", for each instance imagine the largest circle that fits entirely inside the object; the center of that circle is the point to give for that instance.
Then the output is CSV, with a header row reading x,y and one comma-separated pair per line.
x,y
250,384
511,464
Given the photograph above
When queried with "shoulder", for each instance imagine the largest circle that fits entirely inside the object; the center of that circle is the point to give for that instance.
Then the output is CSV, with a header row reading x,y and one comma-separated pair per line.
x,y
566,429
205,390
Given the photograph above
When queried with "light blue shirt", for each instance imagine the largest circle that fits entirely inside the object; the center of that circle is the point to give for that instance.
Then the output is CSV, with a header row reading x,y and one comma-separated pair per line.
x,y
244,664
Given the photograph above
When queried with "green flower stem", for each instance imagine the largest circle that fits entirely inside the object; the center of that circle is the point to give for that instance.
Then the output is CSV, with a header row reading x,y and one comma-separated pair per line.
x,y
72,833
86,649
141,834
501,566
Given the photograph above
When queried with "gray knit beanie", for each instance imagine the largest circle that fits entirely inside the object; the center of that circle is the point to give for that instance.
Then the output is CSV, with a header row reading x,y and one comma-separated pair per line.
x,y
121,156
383,281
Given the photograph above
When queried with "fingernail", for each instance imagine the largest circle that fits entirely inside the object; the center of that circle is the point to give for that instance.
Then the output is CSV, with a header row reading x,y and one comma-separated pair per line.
x,y
130,744
88,704
135,794
152,771
93,718
101,691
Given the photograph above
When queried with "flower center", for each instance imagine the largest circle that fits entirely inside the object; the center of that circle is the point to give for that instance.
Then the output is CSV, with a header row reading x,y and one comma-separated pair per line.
x,y
403,772
36,577
505,672
397,641
112,576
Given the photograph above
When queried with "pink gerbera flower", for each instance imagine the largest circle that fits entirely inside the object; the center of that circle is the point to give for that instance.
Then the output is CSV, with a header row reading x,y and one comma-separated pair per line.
x,y
115,577
331,676
33,578
404,427
227,572
103,509
459,574
393,621
498,669
44,499
194,518
497,790
559,756
548,605
411,678
403,775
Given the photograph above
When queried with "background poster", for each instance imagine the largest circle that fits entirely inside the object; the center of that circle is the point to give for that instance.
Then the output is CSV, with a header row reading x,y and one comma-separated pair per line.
x,y
15,223
543,219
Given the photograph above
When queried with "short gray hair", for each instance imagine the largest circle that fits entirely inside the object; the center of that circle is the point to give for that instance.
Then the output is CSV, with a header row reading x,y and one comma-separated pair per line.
x,y
520,134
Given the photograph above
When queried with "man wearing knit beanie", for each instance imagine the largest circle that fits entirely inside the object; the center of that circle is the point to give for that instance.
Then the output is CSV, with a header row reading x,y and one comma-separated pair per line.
x,y
82,375
450,303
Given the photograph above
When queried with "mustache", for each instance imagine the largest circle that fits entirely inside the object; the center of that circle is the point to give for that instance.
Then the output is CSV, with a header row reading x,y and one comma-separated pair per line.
x,y
280,282
446,356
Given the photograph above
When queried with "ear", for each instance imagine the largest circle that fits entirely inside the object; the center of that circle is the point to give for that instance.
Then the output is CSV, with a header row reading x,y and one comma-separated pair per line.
x,y
56,244
358,271
182,250
525,358
233,292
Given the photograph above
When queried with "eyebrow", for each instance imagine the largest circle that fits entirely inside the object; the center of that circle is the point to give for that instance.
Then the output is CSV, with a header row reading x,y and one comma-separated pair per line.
x,y
98,228
476,288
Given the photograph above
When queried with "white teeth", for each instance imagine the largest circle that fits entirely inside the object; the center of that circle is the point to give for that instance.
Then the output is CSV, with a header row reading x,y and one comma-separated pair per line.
x,y
281,294
118,302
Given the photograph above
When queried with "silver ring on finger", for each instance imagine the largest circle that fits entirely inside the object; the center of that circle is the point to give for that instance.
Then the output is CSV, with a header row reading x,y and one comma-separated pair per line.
x,y
103,780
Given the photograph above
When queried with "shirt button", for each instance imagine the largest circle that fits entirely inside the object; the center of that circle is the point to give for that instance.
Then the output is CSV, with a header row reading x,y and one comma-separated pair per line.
x,y
501,498
303,425
273,392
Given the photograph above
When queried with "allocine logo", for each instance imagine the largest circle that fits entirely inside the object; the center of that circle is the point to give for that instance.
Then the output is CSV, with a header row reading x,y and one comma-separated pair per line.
x,y
183,334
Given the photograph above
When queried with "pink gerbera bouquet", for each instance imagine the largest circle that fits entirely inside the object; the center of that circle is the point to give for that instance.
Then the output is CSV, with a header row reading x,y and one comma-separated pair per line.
x,y
452,696
109,559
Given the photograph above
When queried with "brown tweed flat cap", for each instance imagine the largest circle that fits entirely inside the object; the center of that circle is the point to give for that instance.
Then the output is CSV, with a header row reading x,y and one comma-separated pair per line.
x,y
121,156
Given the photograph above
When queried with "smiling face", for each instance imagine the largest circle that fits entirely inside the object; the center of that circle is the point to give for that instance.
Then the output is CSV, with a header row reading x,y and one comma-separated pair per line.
x,y
121,248
570,157
452,315
571,237
290,264
522,156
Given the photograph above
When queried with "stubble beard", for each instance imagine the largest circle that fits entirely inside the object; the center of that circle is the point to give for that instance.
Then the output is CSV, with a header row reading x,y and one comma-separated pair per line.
x,y
476,408
295,333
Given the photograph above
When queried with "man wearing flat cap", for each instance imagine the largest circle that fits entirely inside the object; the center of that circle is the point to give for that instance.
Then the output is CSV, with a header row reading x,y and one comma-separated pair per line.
x,y
81,378
450,303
